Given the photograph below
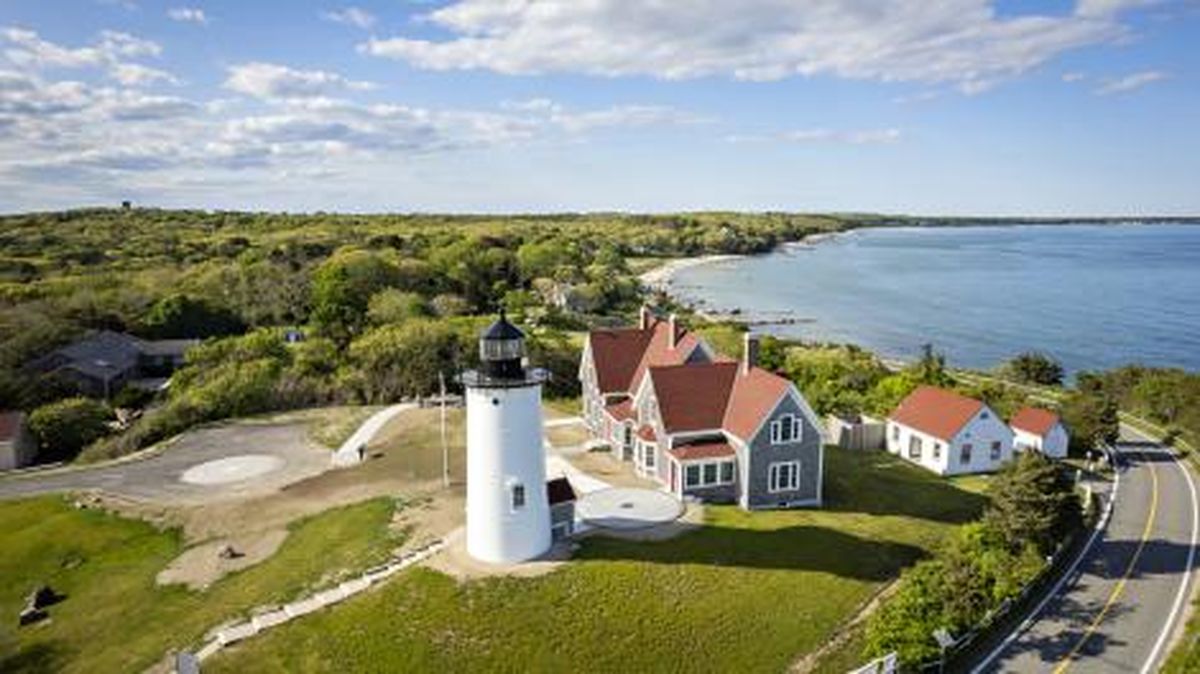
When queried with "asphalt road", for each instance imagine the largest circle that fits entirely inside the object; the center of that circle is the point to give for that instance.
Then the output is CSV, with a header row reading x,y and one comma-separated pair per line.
x,y
1126,601
157,478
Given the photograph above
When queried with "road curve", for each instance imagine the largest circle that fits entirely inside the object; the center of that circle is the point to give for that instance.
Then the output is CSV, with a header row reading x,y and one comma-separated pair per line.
x,y
1126,600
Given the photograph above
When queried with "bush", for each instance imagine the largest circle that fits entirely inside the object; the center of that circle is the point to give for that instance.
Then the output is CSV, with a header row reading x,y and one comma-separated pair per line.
x,y
65,427
1032,367
181,316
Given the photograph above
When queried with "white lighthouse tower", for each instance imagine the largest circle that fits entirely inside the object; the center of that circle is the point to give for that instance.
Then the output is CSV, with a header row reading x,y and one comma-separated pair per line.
x,y
508,517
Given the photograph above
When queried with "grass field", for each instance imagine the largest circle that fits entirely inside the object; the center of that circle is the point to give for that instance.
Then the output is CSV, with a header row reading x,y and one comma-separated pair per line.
x,y
115,618
748,592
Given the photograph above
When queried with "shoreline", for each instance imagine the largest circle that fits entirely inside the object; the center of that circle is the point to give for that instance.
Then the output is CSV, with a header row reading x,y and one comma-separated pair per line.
x,y
660,278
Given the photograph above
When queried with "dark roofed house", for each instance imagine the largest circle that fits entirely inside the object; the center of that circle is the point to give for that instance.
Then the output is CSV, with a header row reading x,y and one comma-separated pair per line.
x,y
699,425
102,363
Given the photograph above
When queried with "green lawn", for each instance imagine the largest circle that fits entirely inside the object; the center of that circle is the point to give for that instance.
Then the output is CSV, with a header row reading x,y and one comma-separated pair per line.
x,y
114,617
748,592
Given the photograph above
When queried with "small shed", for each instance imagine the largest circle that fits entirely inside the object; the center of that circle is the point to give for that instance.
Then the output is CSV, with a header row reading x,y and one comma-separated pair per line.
x,y
857,432
561,496
17,447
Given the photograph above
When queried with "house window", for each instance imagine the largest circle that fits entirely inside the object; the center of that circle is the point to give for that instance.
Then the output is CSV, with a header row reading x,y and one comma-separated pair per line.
x,y
785,429
996,451
784,476
649,456
937,450
983,414
628,436
727,472
914,448
518,496
896,433
692,476
965,456
708,474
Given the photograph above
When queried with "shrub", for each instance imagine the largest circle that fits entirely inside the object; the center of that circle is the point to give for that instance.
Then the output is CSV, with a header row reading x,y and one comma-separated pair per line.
x,y
1033,367
65,427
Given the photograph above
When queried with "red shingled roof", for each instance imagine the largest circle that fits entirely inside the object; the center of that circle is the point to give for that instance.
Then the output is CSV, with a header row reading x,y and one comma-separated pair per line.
x,y
1034,420
622,355
936,411
703,450
620,410
754,395
693,397
647,433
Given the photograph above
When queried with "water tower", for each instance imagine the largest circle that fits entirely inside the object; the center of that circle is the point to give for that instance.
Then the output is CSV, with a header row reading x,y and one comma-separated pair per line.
x,y
508,517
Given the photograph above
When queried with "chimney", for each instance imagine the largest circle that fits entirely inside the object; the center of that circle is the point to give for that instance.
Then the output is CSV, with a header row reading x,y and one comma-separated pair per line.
x,y
672,334
749,352
644,318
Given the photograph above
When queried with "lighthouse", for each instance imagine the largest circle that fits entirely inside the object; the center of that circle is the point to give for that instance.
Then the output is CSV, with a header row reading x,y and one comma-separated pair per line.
x,y
508,517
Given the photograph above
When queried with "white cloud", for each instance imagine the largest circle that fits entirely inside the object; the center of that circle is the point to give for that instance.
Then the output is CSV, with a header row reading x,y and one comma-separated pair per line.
x,y
109,51
270,80
1073,77
1130,82
136,74
351,16
822,135
961,42
188,15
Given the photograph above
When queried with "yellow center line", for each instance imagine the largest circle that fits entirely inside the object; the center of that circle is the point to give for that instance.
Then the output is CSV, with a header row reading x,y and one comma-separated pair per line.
x,y
1120,586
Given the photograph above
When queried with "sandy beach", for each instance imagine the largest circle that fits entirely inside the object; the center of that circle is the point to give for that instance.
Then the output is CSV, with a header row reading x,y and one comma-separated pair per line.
x,y
660,277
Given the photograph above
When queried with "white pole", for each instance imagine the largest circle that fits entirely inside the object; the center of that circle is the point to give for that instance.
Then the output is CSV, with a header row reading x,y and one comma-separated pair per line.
x,y
445,448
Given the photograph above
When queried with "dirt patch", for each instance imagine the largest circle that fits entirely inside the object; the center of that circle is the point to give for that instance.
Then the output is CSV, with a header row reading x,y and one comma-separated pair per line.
x,y
202,565
567,436
602,466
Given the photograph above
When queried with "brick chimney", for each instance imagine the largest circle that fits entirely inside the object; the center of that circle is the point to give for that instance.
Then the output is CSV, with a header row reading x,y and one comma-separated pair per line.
x,y
644,318
672,332
749,352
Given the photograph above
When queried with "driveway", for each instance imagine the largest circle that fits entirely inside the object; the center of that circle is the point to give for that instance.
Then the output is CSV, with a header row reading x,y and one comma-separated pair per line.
x,y
284,449
1127,602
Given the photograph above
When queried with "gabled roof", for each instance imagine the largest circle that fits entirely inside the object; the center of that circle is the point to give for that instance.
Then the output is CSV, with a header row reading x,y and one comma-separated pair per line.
x,y
713,449
622,355
1034,420
936,412
755,394
692,397
559,490
621,410
103,354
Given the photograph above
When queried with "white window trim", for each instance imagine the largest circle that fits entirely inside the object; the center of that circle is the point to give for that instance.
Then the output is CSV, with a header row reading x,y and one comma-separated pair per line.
x,y
702,484
773,475
796,428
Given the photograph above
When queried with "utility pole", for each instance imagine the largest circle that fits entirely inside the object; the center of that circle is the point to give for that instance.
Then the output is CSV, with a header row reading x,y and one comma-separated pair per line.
x,y
445,447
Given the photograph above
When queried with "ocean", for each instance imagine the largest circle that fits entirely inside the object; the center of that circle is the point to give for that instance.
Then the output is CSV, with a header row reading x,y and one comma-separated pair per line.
x,y
1091,296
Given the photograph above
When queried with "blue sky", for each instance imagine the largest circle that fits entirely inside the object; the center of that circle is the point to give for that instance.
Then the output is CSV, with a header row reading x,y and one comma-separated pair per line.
x,y
955,107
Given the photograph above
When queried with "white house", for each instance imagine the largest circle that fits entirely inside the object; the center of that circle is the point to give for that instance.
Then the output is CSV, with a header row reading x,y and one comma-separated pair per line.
x,y
17,446
1040,430
948,433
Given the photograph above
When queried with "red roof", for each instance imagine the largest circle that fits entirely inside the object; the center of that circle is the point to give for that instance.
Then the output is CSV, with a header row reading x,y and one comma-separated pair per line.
x,y
703,450
936,412
622,355
647,433
620,410
753,397
693,397
1034,420
10,425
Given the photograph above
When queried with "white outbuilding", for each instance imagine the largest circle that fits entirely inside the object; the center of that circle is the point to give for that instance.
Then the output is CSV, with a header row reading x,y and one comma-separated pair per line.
x,y
948,433
508,512
1040,430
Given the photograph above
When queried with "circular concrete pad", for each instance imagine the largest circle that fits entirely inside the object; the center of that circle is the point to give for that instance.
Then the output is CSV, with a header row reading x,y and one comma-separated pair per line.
x,y
628,508
232,469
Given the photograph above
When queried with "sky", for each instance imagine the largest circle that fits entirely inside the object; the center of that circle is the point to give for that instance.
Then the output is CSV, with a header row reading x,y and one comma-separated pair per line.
x,y
956,107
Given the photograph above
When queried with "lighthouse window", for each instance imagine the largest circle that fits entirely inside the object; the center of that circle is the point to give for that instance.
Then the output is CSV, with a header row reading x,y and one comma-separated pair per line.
x,y
518,496
495,401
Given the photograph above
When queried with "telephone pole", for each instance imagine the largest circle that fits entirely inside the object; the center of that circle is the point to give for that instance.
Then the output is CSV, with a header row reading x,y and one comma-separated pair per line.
x,y
445,447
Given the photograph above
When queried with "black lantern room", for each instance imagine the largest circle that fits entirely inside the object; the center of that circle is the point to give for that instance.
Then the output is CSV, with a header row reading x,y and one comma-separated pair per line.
x,y
501,358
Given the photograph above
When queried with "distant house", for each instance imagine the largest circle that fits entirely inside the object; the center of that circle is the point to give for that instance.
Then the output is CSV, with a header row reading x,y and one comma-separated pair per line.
x,y
1040,430
948,433
17,446
100,364
704,427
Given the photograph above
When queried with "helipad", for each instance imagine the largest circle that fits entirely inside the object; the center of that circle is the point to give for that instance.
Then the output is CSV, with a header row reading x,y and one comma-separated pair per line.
x,y
628,508
232,469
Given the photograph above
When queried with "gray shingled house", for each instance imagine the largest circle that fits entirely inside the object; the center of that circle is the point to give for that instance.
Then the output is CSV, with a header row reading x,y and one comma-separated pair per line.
x,y
100,364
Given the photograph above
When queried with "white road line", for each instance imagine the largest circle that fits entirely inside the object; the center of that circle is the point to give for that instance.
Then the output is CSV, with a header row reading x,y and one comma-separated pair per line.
x,y
1070,572
1181,595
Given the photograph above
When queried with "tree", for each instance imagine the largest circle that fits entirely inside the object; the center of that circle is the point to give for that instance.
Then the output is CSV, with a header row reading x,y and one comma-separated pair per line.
x,y
183,316
1033,367
399,361
1091,419
342,287
1033,504
65,427
930,369
393,305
